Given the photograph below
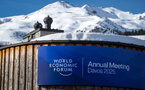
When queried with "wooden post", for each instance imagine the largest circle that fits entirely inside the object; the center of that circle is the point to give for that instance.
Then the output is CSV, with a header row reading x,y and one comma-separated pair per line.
x,y
29,68
6,70
3,69
16,68
11,69
35,68
22,68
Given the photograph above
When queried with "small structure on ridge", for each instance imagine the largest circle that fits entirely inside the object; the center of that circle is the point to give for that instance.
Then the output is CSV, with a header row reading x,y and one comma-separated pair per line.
x,y
48,21
37,25
40,31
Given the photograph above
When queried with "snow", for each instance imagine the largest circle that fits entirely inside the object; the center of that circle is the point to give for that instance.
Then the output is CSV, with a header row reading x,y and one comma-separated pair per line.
x,y
142,37
70,19
119,14
92,37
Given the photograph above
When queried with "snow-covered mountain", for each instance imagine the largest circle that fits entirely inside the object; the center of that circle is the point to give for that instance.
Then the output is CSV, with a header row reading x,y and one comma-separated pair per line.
x,y
71,19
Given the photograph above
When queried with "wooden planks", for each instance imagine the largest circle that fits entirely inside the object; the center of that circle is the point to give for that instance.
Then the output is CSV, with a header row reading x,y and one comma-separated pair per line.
x,y
6,70
22,68
3,70
35,68
11,69
29,68
16,68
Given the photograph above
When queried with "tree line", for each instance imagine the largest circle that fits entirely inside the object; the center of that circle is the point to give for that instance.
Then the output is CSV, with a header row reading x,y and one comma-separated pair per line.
x,y
133,32
127,33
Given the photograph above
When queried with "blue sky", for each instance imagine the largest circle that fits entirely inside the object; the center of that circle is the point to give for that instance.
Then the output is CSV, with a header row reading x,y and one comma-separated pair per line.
x,y
23,7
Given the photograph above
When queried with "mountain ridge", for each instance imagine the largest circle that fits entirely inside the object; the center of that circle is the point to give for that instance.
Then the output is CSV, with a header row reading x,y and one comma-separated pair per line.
x,y
69,18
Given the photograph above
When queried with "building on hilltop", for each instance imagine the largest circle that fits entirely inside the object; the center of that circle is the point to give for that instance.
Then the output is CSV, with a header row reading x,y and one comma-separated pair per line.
x,y
39,31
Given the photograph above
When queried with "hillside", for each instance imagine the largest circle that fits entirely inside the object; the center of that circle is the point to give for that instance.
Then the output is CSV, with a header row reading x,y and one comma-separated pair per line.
x,y
71,19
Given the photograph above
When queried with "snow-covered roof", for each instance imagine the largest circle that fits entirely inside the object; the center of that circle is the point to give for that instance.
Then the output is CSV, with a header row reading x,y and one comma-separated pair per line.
x,y
92,37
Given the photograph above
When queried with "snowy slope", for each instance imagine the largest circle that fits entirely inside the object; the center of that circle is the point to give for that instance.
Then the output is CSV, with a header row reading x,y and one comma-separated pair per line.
x,y
71,19
142,37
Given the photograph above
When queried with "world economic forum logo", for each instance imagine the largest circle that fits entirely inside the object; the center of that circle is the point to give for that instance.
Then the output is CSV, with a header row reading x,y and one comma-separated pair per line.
x,y
64,67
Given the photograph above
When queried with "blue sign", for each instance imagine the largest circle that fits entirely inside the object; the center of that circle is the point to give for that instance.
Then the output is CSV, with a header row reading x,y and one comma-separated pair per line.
x,y
91,65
